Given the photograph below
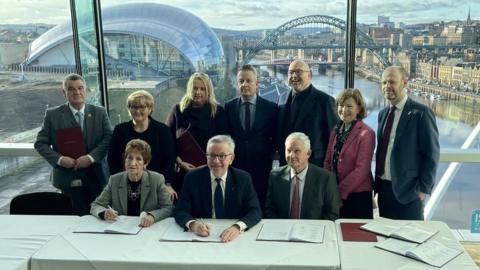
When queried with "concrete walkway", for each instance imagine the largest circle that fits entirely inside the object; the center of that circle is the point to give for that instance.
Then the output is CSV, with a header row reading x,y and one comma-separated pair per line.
x,y
34,178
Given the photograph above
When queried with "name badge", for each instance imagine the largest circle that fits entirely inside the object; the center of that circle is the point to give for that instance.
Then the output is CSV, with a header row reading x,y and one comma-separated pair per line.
x,y
76,183
475,225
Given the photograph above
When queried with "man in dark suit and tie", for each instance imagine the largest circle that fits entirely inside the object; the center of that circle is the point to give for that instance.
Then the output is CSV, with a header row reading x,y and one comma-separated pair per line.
x,y
407,152
307,110
82,178
301,190
251,123
218,191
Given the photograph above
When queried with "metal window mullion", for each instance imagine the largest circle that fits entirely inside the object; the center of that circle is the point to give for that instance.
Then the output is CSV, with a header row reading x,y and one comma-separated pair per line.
x,y
350,43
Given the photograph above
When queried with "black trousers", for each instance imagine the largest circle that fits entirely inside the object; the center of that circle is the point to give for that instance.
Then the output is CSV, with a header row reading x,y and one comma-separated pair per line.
x,y
390,207
357,205
83,196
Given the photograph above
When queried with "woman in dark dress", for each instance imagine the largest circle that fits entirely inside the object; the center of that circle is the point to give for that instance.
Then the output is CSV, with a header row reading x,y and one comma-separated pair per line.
x,y
142,126
200,114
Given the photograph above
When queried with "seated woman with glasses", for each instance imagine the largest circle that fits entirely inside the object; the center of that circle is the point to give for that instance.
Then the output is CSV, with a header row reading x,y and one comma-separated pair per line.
x,y
135,191
198,113
140,106
349,155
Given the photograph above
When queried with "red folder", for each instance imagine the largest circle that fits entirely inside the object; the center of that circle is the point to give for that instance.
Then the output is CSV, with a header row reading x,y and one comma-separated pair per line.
x,y
189,150
352,232
70,142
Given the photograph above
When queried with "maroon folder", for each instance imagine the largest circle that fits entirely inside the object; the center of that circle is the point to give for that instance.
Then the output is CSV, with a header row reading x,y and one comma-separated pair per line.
x,y
70,142
352,232
189,150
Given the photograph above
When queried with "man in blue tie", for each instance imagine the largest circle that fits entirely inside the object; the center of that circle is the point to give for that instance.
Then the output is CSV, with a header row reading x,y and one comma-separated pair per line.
x,y
218,191
407,152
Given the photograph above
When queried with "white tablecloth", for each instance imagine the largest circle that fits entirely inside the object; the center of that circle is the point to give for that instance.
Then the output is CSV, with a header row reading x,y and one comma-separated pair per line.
x,y
144,251
363,255
21,236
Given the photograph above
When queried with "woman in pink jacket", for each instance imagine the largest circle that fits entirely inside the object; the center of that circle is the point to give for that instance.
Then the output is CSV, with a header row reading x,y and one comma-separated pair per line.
x,y
349,155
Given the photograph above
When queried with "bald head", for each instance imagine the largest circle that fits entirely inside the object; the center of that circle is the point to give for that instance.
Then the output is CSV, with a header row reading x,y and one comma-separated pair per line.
x,y
394,81
299,76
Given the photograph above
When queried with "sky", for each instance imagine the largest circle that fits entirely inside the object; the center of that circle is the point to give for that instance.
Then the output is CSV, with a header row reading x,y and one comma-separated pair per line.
x,y
259,14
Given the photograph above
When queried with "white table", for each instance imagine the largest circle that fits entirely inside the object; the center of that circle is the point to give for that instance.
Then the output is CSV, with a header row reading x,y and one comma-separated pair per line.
x,y
363,255
21,236
144,251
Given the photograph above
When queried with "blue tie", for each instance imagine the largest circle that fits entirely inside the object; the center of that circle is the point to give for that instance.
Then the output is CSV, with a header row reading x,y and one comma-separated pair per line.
x,y
218,199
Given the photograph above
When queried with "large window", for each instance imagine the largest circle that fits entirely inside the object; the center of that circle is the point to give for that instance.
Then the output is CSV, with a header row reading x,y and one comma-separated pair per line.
x,y
156,46
439,47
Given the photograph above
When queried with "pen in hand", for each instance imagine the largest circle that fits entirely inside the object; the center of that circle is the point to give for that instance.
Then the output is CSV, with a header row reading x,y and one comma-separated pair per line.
x,y
111,214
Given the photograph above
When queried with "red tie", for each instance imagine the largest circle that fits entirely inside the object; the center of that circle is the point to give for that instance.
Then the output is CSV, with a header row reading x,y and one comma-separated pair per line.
x,y
382,147
295,206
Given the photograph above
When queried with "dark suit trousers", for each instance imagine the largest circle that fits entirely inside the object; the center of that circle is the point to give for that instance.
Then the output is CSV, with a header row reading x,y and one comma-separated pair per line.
x,y
83,196
390,207
357,205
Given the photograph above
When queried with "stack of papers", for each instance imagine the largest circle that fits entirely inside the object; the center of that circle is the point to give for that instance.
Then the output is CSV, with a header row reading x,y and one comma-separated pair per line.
x,y
273,231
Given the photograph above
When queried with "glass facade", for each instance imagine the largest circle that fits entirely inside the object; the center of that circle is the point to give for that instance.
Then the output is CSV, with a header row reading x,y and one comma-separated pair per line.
x,y
155,47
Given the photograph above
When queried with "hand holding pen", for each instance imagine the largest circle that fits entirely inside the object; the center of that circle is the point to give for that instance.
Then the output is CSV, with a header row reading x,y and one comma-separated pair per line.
x,y
200,228
110,214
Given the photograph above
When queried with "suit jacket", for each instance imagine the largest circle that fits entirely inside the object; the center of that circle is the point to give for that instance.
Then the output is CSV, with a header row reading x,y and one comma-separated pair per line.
x,y
240,200
415,151
315,118
153,195
254,149
354,167
320,199
97,133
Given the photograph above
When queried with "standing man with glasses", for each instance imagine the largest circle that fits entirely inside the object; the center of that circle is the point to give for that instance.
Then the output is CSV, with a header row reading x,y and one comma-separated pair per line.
x,y
407,150
307,110
218,191
251,123
83,177
301,190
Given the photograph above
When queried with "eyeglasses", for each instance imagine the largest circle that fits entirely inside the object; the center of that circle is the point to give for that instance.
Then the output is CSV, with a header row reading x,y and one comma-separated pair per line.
x,y
220,157
297,71
137,107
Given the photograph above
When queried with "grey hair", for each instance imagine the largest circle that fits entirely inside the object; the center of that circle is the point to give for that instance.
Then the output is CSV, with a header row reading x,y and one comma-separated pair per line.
x,y
299,136
222,139
72,77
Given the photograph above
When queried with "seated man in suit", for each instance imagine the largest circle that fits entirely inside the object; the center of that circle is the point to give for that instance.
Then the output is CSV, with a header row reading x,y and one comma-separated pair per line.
x,y
218,191
301,190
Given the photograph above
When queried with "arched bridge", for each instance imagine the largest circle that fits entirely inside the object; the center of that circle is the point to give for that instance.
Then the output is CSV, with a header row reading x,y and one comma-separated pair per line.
x,y
271,40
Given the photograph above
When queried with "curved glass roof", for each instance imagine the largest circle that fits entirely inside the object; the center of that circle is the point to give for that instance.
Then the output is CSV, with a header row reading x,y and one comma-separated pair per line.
x,y
179,28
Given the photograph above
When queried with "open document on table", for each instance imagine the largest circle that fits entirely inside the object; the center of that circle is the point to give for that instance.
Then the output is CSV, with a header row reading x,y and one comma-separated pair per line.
x,y
431,252
176,233
123,225
297,232
412,232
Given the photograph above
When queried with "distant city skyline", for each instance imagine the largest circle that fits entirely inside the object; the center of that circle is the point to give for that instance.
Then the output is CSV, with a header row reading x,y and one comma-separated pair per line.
x,y
250,15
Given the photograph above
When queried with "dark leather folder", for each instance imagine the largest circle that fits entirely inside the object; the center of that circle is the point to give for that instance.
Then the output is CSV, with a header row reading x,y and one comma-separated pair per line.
x,y
189,150
352,232
70,142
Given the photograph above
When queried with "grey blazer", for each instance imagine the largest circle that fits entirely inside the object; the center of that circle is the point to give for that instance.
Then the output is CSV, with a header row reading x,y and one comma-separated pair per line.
x,y
320,199
415,152
97,133
154,197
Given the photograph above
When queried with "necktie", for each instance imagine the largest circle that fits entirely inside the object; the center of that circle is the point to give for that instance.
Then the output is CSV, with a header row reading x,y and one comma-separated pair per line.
x,y
247,116
293,107
79,116
295,206
382,147
218,200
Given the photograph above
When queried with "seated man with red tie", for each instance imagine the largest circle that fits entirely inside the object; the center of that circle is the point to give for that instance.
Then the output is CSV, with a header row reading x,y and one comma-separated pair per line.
x,y
301,190
218,191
